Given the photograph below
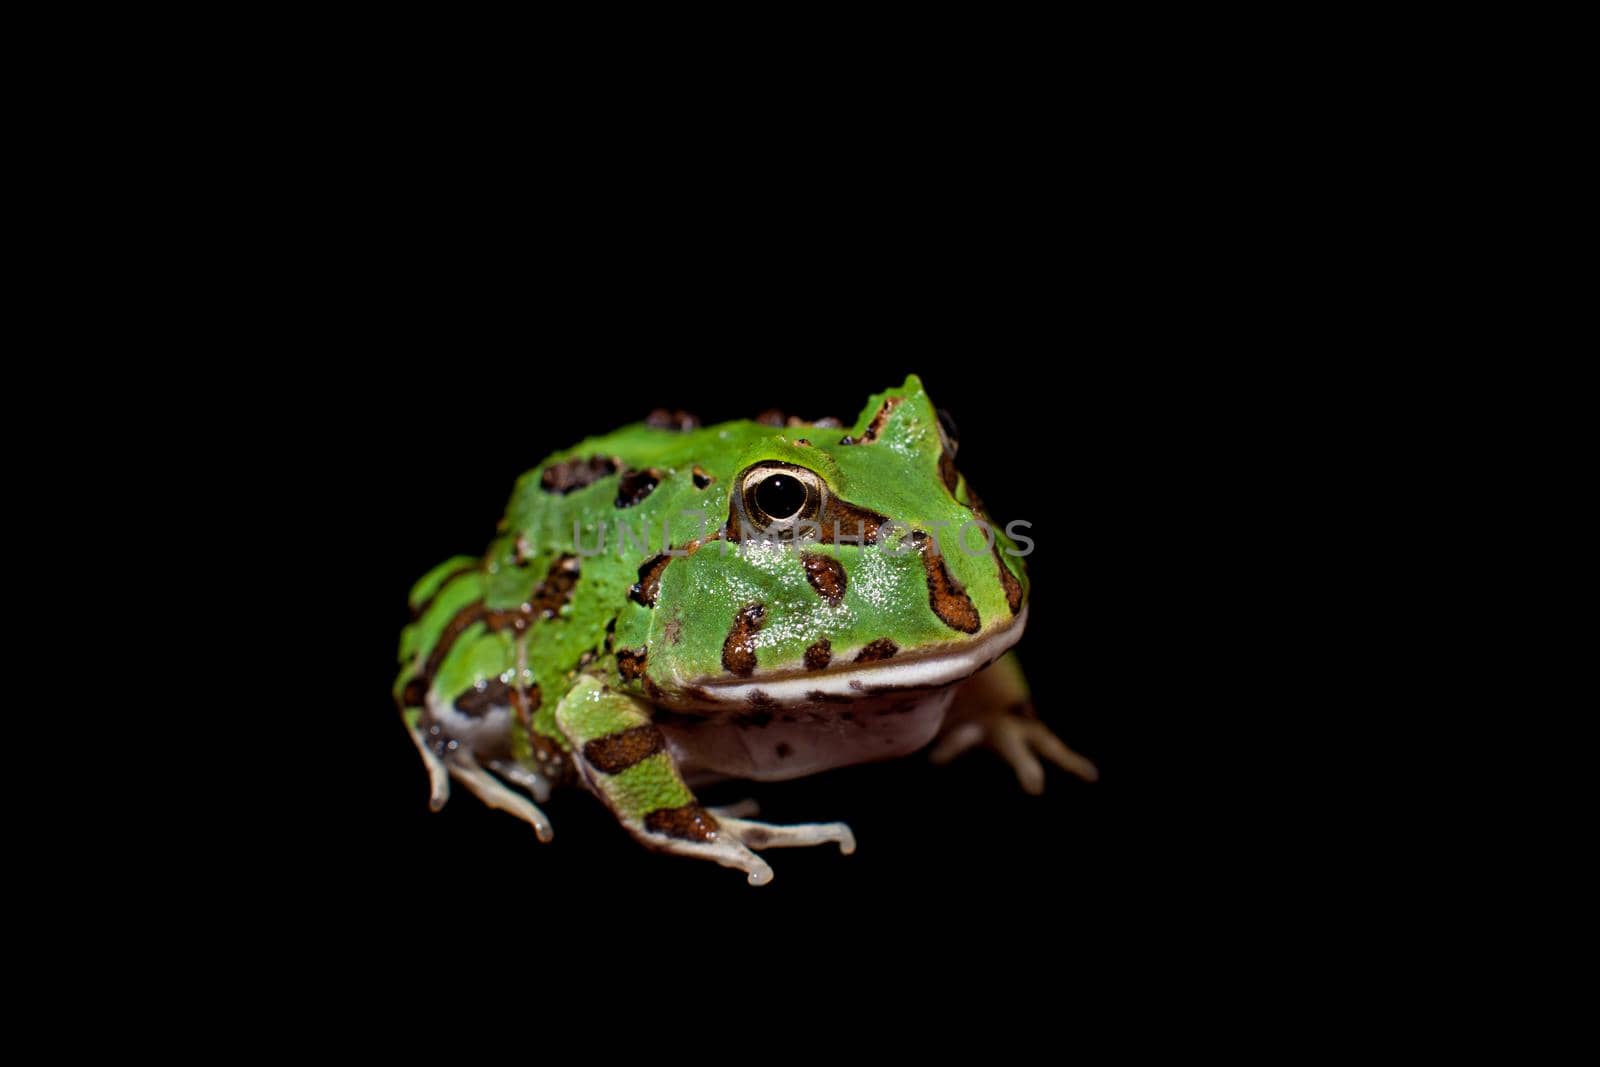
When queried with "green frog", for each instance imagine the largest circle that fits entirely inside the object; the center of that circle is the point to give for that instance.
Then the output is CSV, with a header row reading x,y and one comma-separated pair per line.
x,y
670,605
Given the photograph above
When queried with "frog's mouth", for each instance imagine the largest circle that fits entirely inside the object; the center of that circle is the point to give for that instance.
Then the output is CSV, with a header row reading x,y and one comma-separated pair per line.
x,y
923,671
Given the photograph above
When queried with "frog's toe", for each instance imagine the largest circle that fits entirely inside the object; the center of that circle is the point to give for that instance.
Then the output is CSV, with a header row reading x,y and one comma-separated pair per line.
x,y
483,785
438,774
799,835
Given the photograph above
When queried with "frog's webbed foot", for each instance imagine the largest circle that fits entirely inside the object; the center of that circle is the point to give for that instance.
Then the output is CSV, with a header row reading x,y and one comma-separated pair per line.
x,y
487,788
993,709
1017,736
623,759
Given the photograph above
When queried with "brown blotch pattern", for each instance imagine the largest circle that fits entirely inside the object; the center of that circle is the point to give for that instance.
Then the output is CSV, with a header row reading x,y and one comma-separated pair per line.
x,y
843,522
618,752
415,694
739,650
701,478
1013,587
552,594
546,599
870,434
947,599
882,648
818,696
948,473
636,485
826,576
678,421
571,474
631,662
648,587
689,823
475,702
819,655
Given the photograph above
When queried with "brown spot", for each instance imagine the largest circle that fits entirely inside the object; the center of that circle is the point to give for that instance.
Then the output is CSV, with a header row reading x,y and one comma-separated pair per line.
x,y
819,655
882,648
1009,581
618,752
679,421
819,697
636,485
771,417
870,434
415,694
763,706
475,702
826,576
673,631
802,441
947,599
587,658
701,478
552,594
452,631
843,522
783,750
690,823
648,586
576,473
948,473
631,663
739,650
421,609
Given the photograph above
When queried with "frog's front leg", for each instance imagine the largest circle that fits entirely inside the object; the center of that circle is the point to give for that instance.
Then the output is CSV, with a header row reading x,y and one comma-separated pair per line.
x,y
623,758
457,762
993,707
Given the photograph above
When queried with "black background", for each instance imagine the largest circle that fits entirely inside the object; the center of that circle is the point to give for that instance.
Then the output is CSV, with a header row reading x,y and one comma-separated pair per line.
x,y
1096,453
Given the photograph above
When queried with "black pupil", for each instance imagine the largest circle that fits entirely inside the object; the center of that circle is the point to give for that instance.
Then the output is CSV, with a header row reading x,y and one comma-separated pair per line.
x,y
780,496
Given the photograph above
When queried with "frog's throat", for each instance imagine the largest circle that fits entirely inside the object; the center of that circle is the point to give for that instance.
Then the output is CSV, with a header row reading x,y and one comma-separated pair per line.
x,y
856,681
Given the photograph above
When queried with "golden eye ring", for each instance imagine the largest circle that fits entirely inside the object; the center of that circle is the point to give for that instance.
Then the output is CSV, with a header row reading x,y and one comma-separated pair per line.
x,y
779,496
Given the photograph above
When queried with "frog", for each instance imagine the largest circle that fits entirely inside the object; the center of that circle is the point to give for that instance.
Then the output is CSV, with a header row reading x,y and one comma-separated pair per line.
x,y
672,605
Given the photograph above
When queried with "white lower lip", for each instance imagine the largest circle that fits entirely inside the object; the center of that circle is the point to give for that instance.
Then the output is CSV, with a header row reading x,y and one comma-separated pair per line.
x,y
912,672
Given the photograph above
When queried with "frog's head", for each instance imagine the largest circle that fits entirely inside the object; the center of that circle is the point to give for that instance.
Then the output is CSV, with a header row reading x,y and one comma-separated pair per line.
x,y
843,564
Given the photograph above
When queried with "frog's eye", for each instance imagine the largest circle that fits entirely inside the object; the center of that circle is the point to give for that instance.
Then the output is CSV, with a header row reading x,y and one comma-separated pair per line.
x,y
781,494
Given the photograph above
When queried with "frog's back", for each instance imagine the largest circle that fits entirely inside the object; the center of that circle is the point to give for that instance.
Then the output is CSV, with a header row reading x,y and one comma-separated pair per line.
x,y
508,630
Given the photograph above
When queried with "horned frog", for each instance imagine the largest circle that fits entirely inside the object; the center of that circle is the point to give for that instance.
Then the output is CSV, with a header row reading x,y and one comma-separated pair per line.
x,y
669,605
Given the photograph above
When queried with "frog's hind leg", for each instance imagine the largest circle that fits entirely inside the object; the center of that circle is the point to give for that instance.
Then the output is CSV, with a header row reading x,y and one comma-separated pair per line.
x,y
438,773
993,708
623,759
487,788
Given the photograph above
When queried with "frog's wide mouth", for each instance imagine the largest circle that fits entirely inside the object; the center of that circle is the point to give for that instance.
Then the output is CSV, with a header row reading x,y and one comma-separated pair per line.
x,y
933,668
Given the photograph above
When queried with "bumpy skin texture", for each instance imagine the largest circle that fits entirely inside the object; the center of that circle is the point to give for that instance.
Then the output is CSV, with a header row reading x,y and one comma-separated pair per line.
x,y
620,627
898,466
